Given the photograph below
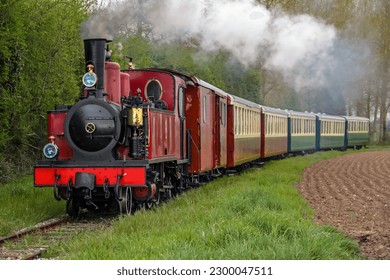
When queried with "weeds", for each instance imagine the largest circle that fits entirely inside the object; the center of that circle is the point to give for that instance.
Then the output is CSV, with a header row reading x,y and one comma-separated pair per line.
x,y
22,205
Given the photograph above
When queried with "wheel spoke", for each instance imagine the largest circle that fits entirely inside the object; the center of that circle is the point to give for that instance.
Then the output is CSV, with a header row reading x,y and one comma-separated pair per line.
x,y
126,202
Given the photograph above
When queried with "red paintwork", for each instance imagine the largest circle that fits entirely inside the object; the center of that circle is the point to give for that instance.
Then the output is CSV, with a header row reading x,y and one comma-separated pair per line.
x,y
55,127
209,137
208,157
112,82
125,84
45,176
123,152
164,136
164,125
202,147
223,128
193,124
139,79
145,193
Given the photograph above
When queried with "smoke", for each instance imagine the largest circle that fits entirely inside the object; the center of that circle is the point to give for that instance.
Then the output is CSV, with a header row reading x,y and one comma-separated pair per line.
x,y
307,52
236,26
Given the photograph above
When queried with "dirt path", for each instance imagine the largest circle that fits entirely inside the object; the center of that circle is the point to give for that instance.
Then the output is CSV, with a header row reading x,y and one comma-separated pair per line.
x,y
352,193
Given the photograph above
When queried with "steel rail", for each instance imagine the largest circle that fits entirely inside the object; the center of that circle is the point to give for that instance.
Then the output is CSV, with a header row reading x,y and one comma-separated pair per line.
x,y
38,227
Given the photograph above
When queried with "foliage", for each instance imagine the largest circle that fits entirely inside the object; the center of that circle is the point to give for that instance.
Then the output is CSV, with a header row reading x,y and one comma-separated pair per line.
x,y
40,59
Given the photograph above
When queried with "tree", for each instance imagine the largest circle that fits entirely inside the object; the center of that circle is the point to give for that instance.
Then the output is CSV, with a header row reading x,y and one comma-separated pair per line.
x,y
372,22
41,63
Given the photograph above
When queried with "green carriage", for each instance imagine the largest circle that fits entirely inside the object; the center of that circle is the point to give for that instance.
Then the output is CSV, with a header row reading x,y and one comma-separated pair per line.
x,y
330,132
301,132
357,132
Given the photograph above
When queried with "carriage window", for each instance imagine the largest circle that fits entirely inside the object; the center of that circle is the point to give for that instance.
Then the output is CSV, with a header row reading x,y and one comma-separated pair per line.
x,y
252,122
241,127
204,109
306,126
267,125
181,102
153,90
235,120
270,122
313,127
299,126
246,121
223,113
241,121
295,126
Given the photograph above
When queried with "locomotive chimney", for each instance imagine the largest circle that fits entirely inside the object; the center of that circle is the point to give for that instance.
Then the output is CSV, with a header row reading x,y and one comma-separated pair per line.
x,y
95,54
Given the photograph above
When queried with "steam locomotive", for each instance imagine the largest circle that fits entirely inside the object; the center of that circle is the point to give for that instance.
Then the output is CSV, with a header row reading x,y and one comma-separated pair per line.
x,y
137,136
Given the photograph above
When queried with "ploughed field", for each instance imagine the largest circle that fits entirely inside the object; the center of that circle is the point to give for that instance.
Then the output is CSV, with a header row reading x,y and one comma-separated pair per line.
x,y
352,193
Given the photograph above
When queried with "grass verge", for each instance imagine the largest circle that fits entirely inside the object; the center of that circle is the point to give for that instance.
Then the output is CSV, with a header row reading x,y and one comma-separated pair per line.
x,y
22,205
256,215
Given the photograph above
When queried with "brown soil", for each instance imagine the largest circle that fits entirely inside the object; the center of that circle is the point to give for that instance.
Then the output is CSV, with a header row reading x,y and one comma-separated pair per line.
x,y
352,194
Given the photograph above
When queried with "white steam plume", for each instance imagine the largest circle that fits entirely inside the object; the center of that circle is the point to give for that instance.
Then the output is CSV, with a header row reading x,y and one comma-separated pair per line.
x,y
301,48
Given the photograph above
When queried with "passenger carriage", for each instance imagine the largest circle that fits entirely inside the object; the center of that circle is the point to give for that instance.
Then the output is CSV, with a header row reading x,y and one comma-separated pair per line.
x,y
330,132
244,131
206,123
274,133
301,132
357,131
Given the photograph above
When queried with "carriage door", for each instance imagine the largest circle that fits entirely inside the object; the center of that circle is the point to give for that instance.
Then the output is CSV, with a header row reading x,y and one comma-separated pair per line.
x,y
217,131
182,119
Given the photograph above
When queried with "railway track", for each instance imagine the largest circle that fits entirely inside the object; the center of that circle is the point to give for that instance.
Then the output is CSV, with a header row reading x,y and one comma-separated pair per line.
x,y
30,243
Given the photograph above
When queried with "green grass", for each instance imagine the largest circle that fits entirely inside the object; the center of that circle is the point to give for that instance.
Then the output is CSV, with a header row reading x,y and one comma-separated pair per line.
x,y
256,215
22,205
378,148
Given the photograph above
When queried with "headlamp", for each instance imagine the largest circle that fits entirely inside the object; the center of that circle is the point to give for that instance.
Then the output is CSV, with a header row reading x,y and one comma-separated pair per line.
x,y
50,150
90,78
